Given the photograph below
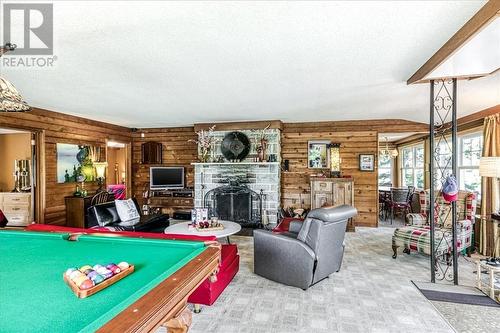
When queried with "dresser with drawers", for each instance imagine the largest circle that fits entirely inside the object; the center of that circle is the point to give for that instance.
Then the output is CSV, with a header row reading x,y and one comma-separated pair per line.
x,y
332,192
17,208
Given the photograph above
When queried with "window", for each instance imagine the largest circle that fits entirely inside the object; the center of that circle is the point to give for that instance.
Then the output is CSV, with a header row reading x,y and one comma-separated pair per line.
x,y
412,166
470,150
385,171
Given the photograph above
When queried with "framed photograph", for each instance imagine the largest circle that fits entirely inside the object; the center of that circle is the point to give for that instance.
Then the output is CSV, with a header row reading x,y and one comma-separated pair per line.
x,y
366,162
318,154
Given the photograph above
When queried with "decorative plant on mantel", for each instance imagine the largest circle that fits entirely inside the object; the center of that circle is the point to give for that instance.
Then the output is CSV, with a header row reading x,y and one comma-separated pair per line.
x,y
262,143
204,142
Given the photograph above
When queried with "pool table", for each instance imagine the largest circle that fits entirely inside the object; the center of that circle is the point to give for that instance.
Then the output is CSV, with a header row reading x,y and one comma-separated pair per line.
x,y
34,296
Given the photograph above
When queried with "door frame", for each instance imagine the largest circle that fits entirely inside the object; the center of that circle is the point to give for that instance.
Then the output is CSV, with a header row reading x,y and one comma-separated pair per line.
x,y
38,171
128,165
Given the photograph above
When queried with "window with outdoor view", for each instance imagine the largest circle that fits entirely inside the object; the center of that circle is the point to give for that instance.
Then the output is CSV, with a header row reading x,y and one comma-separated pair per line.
x,y
412,166
384,171
470,148
469,152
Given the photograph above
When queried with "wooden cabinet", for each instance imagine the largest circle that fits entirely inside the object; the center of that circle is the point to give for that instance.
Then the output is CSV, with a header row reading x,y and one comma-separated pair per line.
x,y
170,204
151,152
76,211
17,208
332,192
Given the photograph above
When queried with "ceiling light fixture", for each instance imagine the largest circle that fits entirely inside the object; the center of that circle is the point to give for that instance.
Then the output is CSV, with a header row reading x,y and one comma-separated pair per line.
x,y
387,153
10,99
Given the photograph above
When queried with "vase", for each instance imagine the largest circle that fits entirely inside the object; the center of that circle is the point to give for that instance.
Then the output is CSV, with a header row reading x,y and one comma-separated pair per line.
x,y
261,151
204,155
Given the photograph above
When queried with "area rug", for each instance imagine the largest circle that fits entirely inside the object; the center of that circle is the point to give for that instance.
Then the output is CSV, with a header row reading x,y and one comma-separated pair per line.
x,y
454,294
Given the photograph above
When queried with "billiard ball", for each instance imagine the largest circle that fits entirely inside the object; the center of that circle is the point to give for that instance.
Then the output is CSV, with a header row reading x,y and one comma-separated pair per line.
x,y
92,274
84,268
96,267
86,284
123,265
73,275
79,279
114,268
70,270
98,278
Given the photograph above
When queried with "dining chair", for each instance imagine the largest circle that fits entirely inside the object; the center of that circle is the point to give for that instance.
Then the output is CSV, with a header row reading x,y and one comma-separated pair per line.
x,y
398,201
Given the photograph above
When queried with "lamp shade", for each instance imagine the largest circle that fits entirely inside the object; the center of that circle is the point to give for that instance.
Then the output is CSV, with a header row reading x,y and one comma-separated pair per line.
x,y
10,99
100,169
489,167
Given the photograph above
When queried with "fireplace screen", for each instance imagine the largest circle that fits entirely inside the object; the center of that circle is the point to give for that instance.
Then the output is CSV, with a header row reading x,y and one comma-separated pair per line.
x,y
235,203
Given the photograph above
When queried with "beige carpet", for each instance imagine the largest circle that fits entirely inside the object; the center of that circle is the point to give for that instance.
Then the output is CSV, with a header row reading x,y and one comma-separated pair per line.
x,y
371,293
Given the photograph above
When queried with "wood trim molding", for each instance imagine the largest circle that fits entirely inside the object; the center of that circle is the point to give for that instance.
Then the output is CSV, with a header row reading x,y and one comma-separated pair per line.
x,y
472,27
380,125
240,125
479,115
471,121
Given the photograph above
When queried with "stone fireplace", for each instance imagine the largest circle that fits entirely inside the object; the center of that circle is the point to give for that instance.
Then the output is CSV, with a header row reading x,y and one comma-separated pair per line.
x,y
247,191
235,202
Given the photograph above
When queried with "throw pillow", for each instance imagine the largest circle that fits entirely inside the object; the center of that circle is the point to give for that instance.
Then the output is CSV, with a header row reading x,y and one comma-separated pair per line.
x,y
104,217
126,210
130,223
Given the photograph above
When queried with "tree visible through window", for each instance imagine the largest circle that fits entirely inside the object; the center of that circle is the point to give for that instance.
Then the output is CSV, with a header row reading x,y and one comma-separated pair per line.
x,y
412,166
470,150
385,171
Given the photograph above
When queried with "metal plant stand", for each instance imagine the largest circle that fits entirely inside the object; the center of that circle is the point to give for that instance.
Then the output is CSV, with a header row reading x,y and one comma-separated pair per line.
x,y
443,124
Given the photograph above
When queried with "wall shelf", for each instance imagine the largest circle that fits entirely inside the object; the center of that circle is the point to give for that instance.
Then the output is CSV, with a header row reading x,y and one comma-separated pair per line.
x,y
236,163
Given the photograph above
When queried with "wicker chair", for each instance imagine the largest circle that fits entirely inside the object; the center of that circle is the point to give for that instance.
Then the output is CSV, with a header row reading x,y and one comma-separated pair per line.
x,y
399,200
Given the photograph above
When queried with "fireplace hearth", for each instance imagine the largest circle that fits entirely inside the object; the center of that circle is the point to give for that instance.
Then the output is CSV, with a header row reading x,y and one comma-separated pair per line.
x,y
235,202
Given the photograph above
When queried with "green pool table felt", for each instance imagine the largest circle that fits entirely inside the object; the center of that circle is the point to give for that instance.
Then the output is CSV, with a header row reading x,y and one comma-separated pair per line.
x,y
35,298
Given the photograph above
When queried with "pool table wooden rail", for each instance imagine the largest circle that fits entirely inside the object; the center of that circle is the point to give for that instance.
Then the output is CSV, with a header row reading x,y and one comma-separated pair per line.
x,y
166,304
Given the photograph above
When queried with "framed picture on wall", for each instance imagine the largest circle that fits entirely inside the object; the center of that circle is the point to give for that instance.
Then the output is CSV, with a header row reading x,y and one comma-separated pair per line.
x,y
366,162
318,154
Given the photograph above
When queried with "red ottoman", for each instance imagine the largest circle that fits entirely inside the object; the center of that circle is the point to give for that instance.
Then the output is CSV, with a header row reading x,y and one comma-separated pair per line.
x,y
208,292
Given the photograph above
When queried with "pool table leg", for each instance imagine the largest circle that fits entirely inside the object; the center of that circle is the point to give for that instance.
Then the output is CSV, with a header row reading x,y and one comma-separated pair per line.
x,y
197,308
181,323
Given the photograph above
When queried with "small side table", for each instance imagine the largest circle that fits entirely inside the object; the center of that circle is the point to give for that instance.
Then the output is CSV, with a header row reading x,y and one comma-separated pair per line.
x,y
491,271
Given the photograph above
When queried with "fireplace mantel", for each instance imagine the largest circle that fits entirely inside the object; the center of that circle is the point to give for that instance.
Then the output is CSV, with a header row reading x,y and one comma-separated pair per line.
x,y
261,177
236,163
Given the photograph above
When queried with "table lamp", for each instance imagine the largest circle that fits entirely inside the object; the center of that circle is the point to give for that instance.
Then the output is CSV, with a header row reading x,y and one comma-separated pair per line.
x,y
100,170
490,167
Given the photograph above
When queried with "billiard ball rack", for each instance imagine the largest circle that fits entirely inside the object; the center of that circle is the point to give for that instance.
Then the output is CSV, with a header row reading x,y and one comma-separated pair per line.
x,y
221,227
82,293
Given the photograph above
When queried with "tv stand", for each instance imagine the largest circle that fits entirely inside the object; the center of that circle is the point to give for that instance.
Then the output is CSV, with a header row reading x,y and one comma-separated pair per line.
x,y
169,201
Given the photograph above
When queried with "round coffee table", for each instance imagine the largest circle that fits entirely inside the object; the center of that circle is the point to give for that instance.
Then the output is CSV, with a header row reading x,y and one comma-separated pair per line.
x,y
230,228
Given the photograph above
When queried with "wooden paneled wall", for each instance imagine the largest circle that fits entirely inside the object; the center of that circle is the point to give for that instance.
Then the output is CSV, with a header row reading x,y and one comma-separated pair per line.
x,y
177,151
355,137
295,182
62,128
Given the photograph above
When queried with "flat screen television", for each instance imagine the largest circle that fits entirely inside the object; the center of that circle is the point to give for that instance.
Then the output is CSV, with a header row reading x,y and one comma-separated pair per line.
x,y
166,178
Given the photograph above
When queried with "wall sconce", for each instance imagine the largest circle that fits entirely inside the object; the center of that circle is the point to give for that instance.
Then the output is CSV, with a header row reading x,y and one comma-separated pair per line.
x,y
100,171
335,159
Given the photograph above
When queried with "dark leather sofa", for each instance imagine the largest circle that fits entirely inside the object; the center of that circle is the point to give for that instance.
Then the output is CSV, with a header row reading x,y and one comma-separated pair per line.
x,y
105,216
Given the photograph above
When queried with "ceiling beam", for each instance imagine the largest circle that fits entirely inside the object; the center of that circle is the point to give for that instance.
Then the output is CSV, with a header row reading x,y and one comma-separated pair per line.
x,y
485,15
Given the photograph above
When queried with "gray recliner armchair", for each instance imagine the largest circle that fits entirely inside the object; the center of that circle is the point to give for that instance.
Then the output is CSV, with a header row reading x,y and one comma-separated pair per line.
x,y
300,258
